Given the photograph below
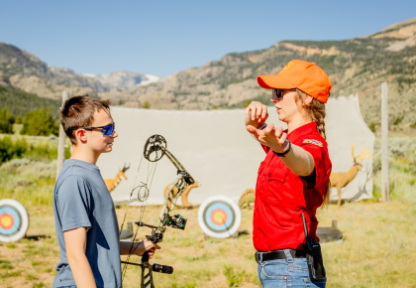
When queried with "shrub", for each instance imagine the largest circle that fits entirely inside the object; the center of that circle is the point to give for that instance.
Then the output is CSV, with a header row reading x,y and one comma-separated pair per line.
x,y
41,152
146,105
40,123
20,148
246,102
6,121
18,120
10,150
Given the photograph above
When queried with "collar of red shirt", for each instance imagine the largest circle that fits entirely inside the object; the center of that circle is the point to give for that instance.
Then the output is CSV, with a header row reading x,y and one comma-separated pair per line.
x,y
302,130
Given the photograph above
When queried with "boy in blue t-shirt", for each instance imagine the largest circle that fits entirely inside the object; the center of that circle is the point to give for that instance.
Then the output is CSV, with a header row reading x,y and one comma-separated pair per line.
x,y
85,219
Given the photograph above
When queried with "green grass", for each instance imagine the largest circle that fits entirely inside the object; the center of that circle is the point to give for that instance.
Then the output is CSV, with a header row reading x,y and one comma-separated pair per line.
x,y
379,247
11,245
25,186
30,180
5,265
30,277
10,274
234,278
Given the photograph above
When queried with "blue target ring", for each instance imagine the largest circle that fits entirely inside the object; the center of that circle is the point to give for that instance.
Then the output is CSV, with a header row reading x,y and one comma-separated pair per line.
x,y
16,219
226,209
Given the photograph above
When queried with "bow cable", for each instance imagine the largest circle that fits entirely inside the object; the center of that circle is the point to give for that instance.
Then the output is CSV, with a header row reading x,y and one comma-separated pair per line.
x,y
151,170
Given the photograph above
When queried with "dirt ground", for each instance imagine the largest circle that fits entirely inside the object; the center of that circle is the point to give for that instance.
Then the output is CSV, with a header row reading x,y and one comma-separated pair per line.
x,y
379,250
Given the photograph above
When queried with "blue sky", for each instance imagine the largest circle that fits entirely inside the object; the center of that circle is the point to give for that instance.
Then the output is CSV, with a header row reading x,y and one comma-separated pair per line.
x,y
163,37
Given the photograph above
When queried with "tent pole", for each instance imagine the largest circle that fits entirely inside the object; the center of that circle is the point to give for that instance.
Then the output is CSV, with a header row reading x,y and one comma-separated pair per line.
x,y
385,187
61,145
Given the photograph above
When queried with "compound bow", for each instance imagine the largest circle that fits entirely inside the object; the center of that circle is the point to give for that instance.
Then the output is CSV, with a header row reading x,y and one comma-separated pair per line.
x,y
154,149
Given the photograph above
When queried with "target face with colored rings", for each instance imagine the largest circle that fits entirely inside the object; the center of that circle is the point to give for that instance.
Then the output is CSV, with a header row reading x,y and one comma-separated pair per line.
x,y
219,217
14,220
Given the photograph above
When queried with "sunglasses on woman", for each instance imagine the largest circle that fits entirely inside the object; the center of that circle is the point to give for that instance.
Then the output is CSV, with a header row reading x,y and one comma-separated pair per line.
x,y
107,130
277,94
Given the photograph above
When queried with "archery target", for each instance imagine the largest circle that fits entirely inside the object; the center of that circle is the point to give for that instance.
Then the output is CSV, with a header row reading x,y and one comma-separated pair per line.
x,y
219,216
14,220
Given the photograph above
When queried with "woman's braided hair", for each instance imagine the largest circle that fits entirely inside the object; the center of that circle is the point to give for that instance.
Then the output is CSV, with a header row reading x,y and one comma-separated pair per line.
x,y
316,111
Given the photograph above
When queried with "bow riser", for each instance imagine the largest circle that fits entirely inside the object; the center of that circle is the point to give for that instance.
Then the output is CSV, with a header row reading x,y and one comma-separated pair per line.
x,y
157,145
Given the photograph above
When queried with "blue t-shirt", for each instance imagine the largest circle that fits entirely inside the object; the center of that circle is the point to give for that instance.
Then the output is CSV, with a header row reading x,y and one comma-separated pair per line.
x,y
81,199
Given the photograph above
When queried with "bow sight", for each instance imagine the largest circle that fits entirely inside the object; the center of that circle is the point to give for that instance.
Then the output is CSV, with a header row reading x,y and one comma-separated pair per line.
x,y
154,149
176,222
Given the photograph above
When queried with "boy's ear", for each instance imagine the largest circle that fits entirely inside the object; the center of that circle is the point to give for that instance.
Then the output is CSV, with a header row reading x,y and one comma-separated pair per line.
x,y
81,135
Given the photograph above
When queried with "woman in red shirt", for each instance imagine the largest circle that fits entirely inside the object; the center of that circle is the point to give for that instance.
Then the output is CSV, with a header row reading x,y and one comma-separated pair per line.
x,y
294,177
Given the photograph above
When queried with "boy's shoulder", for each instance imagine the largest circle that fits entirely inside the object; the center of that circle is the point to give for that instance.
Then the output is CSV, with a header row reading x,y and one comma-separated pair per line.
x,y
75,173
80,168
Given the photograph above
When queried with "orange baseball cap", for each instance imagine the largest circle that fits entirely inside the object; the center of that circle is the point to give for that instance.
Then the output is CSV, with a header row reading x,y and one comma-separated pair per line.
x,y
303,75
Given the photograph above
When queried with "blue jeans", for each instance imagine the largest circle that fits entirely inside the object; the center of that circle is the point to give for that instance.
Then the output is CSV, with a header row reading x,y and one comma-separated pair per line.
x,y
290,272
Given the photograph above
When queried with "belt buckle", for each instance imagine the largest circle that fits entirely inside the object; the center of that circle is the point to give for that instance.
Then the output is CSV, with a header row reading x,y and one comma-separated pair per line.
x,y
257,257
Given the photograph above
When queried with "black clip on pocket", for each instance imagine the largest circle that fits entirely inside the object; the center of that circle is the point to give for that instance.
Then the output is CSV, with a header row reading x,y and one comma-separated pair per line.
x,y
313,255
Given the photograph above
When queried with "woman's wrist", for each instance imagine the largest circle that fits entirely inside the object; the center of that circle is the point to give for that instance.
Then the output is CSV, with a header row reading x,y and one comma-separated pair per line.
x,y
285,149
262,126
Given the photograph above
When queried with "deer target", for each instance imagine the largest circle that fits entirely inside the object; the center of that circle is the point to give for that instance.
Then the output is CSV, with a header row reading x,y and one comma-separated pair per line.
x,y
112,183
342,179
247,198
184,195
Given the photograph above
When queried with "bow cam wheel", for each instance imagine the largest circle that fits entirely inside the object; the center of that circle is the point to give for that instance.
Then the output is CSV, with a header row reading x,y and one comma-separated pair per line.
x,y
152,149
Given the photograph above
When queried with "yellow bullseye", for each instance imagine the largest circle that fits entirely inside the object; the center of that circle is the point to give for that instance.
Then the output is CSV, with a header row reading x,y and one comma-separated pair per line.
x,y
6,221
219,217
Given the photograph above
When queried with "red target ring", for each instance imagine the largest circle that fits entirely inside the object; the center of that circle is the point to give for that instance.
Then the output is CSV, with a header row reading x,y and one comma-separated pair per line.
x,y
6,221
219,217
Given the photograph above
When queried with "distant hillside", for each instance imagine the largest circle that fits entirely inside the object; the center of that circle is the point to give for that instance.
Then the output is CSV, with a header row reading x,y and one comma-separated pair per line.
x,y
19,102
27,72
356,65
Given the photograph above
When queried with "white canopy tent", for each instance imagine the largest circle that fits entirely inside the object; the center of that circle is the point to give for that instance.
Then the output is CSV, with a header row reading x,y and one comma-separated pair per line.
x,y
217,151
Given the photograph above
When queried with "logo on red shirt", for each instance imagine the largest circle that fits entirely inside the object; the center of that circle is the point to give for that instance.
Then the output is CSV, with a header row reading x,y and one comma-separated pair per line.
x,y
314,142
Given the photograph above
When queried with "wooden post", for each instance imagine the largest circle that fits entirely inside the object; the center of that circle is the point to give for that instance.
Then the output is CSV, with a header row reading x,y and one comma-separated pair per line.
x,y
385,185
61,145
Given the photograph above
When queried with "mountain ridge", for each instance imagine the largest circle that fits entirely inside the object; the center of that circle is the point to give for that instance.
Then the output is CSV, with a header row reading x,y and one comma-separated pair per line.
x,y
30,74
121,80
355,66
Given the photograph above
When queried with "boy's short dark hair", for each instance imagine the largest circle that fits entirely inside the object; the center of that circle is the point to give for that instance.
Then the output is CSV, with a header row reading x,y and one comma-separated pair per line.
x,y
79,111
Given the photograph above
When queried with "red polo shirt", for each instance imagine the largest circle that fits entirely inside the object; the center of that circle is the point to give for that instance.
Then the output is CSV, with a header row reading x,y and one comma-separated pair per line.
x,y
282,196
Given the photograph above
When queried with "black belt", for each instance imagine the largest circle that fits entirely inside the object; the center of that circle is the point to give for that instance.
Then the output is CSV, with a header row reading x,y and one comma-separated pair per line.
x,y
279,254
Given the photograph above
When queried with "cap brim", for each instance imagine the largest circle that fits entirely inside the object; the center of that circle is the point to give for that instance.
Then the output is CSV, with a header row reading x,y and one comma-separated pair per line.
x,y
273,82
